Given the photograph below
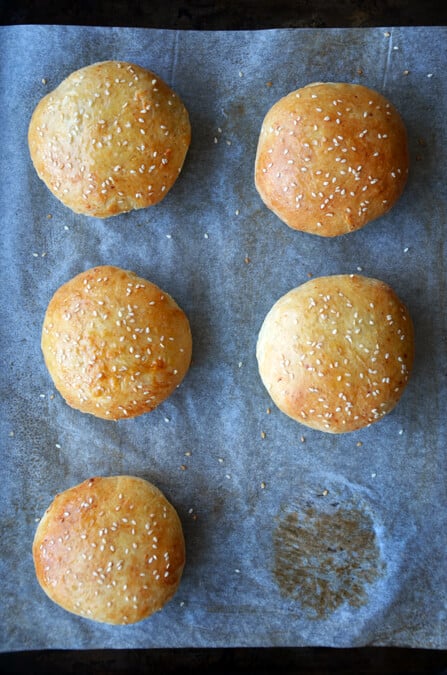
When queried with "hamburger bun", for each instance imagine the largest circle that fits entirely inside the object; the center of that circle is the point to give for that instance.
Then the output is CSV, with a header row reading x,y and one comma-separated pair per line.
x,y
110,138
110,550
336,353
115,345
331,157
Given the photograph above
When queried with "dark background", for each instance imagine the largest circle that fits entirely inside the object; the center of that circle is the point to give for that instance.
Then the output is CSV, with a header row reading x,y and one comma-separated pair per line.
x,y
228,15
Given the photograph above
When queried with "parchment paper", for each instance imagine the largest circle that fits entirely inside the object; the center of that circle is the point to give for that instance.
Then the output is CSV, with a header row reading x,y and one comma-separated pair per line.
x,y
294,537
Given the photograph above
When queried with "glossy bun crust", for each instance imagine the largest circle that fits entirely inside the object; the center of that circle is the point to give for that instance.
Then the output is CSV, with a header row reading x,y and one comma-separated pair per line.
x,y
336,353
110,549
111,138
331,157
115,345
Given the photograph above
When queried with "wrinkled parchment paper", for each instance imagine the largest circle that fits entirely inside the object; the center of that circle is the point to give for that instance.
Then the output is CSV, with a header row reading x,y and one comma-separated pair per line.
x,y
294,537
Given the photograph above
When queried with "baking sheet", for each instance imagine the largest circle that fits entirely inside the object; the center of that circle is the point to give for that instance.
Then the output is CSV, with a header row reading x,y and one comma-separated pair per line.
x,y
294,537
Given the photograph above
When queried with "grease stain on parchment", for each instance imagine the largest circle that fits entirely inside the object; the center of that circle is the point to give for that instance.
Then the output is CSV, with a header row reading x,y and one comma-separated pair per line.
x,y
326,555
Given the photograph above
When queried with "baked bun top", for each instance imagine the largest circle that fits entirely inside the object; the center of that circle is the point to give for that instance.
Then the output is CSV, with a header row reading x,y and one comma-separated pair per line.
x,y
110,138
115,345
336,353
110,549
331,157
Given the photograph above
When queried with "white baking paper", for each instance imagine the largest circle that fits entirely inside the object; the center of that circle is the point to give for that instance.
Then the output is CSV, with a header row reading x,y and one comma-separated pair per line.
x,y
294,537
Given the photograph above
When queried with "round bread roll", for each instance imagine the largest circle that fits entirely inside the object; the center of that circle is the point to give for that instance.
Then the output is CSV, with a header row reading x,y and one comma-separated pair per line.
x,y
110,549
111,138
115,345
336,353
331,157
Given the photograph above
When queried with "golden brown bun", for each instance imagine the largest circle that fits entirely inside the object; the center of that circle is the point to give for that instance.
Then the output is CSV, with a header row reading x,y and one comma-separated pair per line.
x,y
111,138
336,353
331,157
110,549
115,345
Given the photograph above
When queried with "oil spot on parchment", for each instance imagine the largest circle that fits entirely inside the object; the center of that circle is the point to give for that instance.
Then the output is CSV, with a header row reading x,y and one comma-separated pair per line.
x,y
326,554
